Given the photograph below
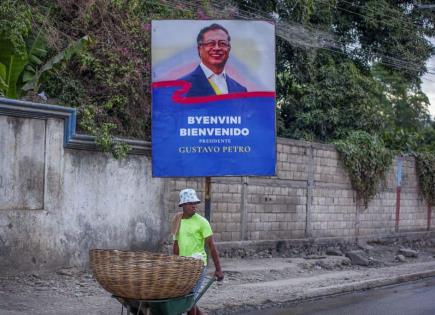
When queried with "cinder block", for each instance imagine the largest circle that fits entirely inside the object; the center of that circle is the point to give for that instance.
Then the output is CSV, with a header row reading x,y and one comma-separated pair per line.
x,y
226,237
226,217
255,218
216,216
236,217
235,189
275,226
233,207
227,197
235,236
217,197
232,227
255,235
259,226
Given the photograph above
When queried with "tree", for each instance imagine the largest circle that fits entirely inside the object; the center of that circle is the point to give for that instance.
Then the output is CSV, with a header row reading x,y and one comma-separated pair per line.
x,y
15,26
366,78
342,65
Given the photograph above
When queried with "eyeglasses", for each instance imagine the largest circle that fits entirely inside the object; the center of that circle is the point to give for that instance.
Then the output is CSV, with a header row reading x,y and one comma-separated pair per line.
x,y
212,44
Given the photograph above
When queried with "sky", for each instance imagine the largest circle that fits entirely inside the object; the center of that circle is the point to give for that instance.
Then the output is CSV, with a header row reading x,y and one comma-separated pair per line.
x,y
428,86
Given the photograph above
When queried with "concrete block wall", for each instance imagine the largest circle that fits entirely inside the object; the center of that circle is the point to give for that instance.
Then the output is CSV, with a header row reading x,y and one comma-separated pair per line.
x,y
311,197
274,210
333,202
226,197
292,160
413,208
226,214
380,215
57,202
334,212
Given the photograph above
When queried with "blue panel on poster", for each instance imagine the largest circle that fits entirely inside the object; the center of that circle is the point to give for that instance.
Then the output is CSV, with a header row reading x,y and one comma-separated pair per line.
x,y
231,134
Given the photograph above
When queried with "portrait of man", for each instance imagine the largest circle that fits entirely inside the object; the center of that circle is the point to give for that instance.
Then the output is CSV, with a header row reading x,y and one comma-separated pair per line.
x,y
209,77
213,98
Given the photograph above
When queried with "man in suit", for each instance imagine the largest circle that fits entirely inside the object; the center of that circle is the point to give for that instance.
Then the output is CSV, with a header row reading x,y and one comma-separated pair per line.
x,y
210,78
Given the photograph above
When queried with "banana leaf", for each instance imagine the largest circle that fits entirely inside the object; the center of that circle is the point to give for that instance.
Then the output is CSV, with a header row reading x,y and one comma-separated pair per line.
x,y
37,52
3,85
65,55
14,65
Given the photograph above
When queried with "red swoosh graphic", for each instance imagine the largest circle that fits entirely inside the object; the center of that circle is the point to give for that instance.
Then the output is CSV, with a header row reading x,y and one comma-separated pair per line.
x,y
179,97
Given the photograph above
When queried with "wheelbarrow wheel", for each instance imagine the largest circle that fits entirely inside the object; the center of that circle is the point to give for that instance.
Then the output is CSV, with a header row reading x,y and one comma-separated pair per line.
x,y
173,306
133,306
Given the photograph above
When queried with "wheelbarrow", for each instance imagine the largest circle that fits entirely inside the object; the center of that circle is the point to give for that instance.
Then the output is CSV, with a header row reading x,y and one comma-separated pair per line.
x,y
173,306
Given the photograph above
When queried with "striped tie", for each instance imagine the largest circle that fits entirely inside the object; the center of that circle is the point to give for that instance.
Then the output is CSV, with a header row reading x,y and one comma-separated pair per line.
x,y
215,87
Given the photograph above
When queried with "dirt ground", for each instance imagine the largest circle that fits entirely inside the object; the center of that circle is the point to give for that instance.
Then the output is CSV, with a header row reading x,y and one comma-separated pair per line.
x,y
260,280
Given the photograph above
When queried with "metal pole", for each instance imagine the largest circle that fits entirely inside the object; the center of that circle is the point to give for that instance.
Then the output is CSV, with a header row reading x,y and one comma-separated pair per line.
x,y
398,191
310,188
207,211
207,201
425,6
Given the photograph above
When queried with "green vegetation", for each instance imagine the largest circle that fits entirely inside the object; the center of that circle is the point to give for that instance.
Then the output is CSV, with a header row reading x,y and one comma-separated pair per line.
x,y
366,77
360,90
103,137
425,162
23,57
92,55
352,74
15,26
367,161
111,79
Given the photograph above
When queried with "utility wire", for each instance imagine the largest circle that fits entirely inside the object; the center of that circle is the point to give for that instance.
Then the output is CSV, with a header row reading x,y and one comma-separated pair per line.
x,y
378,21
336,44
301,35
392,61
404,20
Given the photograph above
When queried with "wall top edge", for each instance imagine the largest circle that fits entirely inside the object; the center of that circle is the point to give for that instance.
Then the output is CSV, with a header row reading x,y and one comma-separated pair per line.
x,y
30,106
305,144
72,140
39,110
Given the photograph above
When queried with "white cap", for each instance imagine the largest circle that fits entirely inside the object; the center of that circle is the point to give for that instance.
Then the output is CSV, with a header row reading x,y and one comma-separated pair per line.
x,y
188,195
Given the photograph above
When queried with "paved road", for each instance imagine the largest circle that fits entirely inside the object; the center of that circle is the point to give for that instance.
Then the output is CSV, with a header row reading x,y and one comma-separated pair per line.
x,y
416,298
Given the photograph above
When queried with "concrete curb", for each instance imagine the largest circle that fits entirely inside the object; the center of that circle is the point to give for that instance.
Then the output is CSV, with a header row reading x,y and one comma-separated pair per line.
x,y
363,285
330,291
264,244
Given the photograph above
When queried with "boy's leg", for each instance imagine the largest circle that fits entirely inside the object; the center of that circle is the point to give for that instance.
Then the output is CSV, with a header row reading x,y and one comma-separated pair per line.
x,y
195,310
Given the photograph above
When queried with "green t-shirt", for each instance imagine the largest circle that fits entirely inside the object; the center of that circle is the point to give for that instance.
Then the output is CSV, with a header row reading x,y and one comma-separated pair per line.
x,y
191,237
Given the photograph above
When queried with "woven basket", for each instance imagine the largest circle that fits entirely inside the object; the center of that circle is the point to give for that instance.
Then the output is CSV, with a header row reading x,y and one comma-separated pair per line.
x,y
142,275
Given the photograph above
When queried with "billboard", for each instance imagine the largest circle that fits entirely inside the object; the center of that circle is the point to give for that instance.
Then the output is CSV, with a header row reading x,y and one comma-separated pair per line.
x,y
213,98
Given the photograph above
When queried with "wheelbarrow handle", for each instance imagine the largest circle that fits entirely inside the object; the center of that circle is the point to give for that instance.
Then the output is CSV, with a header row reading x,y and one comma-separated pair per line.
x,y
205,288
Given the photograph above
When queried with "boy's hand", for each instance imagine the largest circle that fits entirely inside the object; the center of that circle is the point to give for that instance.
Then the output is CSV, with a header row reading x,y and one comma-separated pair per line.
x,y
219,275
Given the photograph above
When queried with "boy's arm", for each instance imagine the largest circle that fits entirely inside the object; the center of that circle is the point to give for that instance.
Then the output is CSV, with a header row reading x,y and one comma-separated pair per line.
x,y
215,256
175,248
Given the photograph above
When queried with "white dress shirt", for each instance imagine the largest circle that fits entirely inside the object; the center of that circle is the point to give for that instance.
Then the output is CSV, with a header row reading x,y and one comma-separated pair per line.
x,y
218,79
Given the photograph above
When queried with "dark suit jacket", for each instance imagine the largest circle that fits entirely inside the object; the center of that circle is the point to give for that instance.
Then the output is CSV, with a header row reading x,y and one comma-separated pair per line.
x,y
201,86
